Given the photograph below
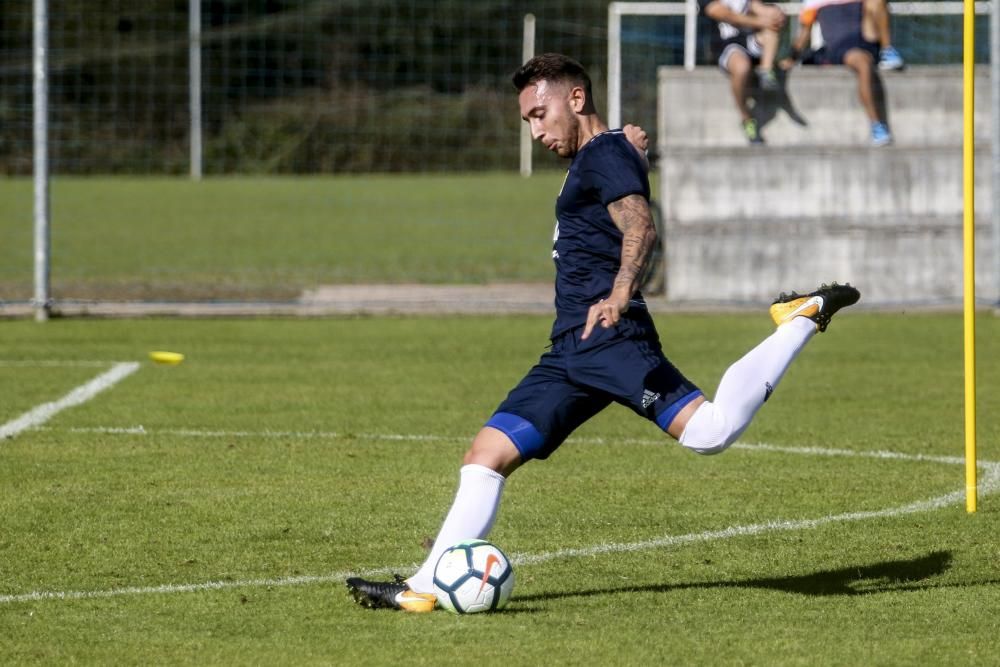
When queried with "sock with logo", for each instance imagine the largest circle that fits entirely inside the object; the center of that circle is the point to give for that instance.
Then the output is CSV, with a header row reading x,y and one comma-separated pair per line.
x,y
744,388
471,517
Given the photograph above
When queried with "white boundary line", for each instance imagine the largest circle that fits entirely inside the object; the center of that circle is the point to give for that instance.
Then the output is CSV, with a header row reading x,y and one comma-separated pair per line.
x,y
989,484
53,363
266,434
46,411
416,437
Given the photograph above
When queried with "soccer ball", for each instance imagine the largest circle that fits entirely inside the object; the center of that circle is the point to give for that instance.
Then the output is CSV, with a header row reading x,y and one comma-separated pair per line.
x,y
473,576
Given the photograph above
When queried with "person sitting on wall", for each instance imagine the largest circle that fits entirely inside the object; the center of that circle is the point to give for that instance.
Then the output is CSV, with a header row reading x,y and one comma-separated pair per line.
x,y
750,32
852,32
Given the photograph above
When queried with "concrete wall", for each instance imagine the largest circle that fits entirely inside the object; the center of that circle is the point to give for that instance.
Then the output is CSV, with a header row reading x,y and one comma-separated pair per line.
x,y
818,203
819,106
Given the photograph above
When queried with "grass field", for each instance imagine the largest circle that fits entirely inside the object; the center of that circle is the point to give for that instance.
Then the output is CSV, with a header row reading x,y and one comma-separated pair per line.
x,y
207,513
270,238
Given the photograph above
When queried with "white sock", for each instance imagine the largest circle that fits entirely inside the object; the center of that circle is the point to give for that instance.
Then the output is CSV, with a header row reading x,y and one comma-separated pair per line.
x,y
471,517
744,388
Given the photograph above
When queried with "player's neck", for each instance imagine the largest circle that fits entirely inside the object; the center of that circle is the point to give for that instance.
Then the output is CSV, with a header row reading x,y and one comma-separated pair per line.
x,y
591,125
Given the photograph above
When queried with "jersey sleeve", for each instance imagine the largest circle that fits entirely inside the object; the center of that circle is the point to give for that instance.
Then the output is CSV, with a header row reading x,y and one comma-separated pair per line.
x,y
807,15
615,171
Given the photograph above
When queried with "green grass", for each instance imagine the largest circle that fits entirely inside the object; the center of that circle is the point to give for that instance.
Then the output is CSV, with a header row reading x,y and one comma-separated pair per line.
x,y
272,453
270,238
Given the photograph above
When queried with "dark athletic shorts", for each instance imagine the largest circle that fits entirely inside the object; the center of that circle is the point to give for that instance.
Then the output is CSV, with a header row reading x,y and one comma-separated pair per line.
x,y
836,52
576,379
841,26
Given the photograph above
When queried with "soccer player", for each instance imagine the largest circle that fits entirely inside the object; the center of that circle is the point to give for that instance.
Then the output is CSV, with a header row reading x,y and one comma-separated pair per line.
x,y
605,347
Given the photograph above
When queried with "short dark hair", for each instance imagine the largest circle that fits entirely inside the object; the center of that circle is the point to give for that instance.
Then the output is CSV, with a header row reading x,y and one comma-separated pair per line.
x,y
552,67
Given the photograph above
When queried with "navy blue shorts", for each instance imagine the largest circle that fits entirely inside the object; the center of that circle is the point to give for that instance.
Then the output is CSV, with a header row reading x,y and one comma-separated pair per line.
x,y
576,379
836,52
841,26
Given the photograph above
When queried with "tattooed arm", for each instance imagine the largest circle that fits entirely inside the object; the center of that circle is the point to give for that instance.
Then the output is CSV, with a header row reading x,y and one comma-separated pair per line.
x,y
632,216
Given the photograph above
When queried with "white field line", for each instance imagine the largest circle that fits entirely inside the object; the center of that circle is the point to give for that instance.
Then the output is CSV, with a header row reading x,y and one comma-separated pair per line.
x,y
44,412
988,484
53,363
265,434
416,437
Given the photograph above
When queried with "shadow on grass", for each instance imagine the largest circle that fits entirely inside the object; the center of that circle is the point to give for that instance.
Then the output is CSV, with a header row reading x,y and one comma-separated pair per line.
x,y
894,575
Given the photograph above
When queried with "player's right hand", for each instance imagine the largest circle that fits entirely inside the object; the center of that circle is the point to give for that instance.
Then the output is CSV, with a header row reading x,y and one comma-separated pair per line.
x,y
605,312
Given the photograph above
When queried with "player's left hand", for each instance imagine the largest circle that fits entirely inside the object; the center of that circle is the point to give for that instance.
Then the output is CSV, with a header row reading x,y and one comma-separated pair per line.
x,y
640,141
637,137
605,312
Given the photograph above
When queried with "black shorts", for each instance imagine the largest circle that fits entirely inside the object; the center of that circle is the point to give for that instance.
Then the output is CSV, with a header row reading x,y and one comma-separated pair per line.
x,y
576,379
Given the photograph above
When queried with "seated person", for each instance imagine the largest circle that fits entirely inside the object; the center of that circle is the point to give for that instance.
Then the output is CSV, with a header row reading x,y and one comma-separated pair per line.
x,y
750,32
852,32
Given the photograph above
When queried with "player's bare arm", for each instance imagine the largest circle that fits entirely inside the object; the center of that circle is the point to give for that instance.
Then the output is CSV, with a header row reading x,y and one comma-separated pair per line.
x,y
632,216
801,38
796,47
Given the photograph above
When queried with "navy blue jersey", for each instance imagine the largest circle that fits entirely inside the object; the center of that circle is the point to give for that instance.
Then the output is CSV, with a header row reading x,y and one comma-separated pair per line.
x,y
588,245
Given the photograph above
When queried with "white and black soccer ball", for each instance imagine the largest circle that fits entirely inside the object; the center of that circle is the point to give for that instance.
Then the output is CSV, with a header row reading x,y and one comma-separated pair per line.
x,y
473,576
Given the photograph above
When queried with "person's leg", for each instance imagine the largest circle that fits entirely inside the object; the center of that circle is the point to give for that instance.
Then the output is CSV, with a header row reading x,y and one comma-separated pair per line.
x,y
863,65
554,408
489,461
739,67
491,458
737,64
862,61
875,23
486,465
711,427
875,29
769,41
763,47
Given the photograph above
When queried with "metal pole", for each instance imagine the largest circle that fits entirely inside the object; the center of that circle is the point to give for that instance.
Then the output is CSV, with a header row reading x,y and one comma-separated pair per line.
x,y
688,9
42,300
995,143
690,33
527,53
194,85
614,66
969,246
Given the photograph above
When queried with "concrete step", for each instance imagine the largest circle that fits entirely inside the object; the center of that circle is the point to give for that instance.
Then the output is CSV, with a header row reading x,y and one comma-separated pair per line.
x,y
716,183
817,203
894,261
819,107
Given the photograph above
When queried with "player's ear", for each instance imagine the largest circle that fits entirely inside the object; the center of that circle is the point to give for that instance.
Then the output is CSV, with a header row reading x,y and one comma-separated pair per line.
x,y
577,99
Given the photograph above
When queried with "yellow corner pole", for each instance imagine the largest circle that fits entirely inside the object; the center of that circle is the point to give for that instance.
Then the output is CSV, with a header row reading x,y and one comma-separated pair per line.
x,y
969,248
